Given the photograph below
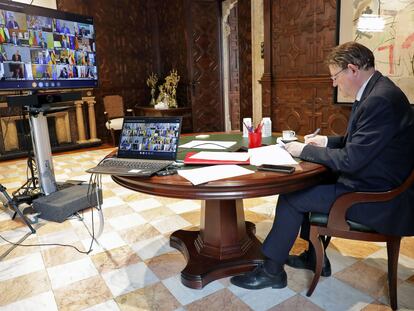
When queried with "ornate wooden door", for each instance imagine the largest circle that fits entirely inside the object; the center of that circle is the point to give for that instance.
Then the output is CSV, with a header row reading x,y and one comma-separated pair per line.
x,y
203,32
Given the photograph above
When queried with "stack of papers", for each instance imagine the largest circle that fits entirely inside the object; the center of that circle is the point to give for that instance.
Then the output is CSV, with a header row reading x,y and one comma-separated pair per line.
x,y
209,173
273,154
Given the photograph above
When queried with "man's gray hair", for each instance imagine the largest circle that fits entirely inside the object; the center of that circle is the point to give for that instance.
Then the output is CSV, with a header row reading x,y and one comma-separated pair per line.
x,y
351,53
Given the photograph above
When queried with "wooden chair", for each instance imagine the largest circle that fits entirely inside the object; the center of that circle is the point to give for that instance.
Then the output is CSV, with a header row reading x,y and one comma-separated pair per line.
x,y
114,114
336,225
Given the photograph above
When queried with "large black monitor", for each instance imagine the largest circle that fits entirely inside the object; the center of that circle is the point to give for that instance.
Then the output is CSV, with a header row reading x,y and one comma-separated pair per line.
x,y
45,49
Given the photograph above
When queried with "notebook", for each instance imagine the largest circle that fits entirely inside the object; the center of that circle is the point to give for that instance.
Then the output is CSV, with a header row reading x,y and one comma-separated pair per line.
x,y
146,146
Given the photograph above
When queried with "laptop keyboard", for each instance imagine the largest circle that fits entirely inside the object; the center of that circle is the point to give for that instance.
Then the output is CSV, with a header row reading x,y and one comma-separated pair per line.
x,y
134,164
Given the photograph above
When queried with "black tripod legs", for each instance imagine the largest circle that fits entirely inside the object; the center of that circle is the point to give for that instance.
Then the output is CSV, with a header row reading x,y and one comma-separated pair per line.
x,y
13,204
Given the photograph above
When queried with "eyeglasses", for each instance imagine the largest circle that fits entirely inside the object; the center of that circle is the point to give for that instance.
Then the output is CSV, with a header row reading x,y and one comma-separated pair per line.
x,y
335,76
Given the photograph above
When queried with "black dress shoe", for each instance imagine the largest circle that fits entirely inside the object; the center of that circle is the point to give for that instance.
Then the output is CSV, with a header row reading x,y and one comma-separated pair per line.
x,y
307,260
259,278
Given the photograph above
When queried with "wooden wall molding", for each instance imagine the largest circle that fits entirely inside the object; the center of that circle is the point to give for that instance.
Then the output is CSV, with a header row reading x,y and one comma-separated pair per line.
x,y
296,85
245,59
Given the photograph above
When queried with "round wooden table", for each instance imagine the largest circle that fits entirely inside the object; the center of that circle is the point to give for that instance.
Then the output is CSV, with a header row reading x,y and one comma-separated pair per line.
x,y
226,244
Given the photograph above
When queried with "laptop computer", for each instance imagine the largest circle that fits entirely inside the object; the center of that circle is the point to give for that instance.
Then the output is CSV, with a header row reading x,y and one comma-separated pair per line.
x,y
146,145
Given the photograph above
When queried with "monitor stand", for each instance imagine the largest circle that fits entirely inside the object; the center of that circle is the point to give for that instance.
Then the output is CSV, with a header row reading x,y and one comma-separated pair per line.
x,y
38,105
42,149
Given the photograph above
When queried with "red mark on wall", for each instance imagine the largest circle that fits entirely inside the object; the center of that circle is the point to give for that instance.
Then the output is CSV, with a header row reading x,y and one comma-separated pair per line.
x,y
390,56
408,42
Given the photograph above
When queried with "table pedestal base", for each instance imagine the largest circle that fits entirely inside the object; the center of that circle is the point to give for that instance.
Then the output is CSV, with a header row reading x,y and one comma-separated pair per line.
x,y
201,269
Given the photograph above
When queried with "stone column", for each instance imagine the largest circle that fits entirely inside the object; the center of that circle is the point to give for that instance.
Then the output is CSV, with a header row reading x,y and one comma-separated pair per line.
x,y
80,123
9,132
92,121
257,60
62,127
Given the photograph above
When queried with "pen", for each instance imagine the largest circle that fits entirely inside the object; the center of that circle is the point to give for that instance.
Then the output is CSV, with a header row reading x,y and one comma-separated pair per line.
x,y
314,133
259,128
249,128
281,143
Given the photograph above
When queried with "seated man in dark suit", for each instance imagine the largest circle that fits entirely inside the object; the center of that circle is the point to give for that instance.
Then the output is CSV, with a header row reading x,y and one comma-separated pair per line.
x,y
16,57
11,23
376,154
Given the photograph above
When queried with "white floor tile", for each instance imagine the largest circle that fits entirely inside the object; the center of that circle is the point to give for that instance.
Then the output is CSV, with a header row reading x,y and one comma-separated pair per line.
x,y
5,216
12,185
106,241
170,224
405,296
60,237
145,204
267,209
263,228
339,261
334,295
15,267
263,299
71,272
109,305
184,206
379,260
45,301
112,201
152,247
127,279
187,295
126,221
272,198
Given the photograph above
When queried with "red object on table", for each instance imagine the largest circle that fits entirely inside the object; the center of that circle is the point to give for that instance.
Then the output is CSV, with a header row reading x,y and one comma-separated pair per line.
x,y
255,139
189,160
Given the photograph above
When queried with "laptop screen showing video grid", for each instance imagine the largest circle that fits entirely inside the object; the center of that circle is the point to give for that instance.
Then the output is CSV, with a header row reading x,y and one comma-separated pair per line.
x,y
150,138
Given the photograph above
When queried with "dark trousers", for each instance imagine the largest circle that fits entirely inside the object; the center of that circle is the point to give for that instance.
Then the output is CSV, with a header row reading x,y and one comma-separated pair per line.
x,y
292,215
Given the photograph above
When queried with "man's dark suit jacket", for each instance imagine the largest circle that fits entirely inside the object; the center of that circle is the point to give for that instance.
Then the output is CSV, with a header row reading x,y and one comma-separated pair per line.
x,y
16,58
376,154
12,25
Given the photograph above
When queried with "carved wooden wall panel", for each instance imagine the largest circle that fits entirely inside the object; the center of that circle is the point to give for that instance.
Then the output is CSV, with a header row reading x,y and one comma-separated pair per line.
x,y
302,34
234,85
173,46
203,33
124,49
245,59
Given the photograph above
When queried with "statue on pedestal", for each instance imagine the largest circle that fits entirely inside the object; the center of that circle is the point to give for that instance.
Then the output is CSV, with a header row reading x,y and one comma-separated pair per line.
x,y
152,83
168,91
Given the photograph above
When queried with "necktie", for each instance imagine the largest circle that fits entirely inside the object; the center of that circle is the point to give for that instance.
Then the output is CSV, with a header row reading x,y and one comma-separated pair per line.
x,y
351,117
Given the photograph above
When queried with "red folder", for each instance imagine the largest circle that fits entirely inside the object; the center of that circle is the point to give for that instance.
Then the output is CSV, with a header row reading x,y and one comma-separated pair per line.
x,y
193,161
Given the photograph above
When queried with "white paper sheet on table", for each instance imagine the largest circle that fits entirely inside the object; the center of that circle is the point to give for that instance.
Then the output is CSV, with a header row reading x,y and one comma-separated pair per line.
x,y
215,172
273,154
208,144
221,156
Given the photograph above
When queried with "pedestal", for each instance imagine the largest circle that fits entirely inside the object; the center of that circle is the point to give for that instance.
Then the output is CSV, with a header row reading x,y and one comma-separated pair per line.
x,y
226,244
184,112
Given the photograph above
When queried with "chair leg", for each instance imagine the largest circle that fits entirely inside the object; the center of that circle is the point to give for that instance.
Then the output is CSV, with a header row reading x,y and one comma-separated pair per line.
x,y
393,250
318,246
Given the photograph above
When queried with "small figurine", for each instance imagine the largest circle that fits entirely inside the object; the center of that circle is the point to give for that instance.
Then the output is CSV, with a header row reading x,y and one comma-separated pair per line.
x,y
152,83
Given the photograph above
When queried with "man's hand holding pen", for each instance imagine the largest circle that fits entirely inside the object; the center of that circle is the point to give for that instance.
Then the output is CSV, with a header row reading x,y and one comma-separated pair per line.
x,y
295,148
316,140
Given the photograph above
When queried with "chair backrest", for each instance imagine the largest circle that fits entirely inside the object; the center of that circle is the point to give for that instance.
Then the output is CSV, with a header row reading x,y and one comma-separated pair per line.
x,y
114,106
342,203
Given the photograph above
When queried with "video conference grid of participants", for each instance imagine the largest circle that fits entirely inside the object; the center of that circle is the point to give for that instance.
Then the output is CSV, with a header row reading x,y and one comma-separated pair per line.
x,y
152,137
38,47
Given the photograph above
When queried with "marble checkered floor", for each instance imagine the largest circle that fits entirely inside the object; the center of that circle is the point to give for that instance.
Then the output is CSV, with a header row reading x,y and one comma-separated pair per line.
x,y
134,268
